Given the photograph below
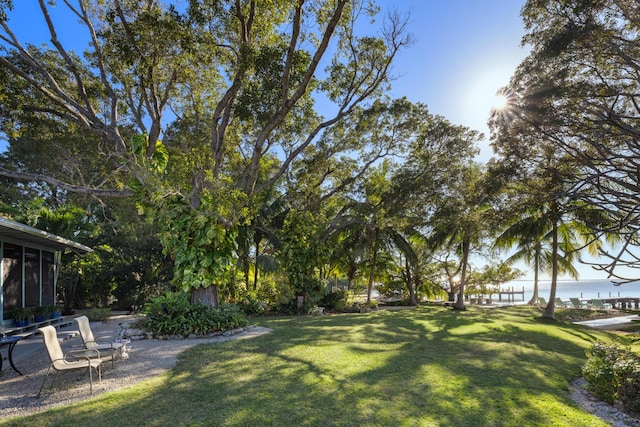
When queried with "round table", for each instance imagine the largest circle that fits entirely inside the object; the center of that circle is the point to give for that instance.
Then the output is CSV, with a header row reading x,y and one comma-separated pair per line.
x,y
10,341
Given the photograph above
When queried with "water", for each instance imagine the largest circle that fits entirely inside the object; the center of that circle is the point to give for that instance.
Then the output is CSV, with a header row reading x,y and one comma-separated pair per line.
x,y
583,289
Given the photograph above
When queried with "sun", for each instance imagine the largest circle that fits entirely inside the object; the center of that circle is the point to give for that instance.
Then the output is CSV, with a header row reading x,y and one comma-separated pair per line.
x,y
500,101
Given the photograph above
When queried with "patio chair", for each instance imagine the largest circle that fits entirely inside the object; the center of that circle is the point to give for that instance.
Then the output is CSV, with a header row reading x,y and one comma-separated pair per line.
x,y
576,303
69,361
89,341
560,303
598,304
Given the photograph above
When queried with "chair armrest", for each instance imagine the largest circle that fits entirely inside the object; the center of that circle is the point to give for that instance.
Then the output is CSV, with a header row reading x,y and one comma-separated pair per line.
x,y
64,360
81,354
104,345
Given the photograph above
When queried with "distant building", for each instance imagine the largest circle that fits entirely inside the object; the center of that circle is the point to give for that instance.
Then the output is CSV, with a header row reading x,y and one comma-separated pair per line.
x,y
30,261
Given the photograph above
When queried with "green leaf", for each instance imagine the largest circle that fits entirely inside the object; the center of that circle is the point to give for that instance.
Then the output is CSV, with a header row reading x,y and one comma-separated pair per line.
x,y
139,143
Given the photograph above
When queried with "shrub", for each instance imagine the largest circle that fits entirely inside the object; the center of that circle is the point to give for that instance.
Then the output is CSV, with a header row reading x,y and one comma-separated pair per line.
x,y
290,307
21,314
200,320
613,374
252,307
398,303
230,316
98,314
334,300
628,370
41,312
368,307
172,314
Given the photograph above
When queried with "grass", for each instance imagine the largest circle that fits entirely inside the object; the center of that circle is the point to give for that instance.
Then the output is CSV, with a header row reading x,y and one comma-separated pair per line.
x,y
424,367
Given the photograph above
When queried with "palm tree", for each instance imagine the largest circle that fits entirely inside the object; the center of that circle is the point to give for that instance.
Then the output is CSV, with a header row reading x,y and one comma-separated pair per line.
x,y
533,236
550,244
251,237
348,253
372,228
460,224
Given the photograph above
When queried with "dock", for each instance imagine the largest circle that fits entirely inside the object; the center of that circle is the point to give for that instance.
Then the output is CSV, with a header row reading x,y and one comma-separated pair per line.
x,y
623,302
511,294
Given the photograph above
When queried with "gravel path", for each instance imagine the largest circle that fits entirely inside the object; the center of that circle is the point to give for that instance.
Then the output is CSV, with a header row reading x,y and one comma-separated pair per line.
x,y
589,403
150,358
147,358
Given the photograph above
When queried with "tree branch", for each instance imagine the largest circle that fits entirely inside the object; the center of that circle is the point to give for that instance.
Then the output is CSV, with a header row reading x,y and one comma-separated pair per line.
x,y
22,176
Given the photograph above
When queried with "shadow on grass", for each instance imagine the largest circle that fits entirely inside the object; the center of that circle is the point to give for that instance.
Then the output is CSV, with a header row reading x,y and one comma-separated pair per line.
x,y
426,366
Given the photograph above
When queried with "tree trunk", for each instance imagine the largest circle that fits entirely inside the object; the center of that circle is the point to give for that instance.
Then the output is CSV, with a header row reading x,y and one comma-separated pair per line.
x,y
350,278
452,295
245,270
372,275
410,284
536,269
255,271
549,311
459,304
207,296
70,300
413,300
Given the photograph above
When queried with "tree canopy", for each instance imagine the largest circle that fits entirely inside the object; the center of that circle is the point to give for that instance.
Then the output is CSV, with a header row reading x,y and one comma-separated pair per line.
x,y
578,91
229,86
258,141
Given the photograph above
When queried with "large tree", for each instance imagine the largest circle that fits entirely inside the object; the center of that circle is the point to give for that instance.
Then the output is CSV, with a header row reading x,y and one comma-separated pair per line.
x,y
459,227
435,156
580,85
386,214
545,218
239,77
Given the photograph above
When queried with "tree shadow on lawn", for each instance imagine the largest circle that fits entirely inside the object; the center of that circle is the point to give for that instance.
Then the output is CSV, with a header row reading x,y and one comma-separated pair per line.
x,y
428,366
477,368
415,367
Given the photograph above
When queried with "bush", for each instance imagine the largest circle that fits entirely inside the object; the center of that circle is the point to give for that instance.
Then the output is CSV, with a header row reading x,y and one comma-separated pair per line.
x,y
98,314
172,314
334,300
230,316
368,307
613,374
252,307
21,314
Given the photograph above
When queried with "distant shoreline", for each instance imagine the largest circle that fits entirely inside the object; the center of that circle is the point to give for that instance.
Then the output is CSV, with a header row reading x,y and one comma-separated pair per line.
x,y
584,289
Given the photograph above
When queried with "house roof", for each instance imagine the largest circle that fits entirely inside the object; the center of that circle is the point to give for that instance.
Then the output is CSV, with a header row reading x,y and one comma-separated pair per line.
x,y
20,233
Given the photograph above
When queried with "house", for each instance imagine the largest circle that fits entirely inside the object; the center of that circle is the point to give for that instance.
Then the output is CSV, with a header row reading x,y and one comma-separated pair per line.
x,y
28,271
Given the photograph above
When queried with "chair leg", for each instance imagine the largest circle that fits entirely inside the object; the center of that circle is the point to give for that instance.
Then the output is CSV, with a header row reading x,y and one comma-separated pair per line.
x,y
99,371
90,380
43,381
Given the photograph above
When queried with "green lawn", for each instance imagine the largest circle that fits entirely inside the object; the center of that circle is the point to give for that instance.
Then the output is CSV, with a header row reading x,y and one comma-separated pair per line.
x,y
428,366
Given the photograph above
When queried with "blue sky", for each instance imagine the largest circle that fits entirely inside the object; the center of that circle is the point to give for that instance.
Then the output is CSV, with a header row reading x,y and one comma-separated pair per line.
x,y
465,50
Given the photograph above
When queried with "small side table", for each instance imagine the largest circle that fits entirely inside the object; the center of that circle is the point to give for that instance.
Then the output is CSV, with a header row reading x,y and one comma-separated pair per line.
x,y
10,341
123,348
